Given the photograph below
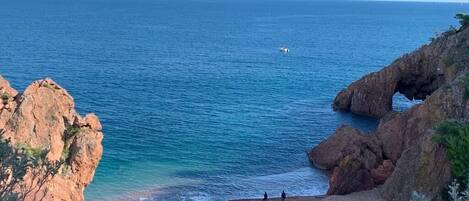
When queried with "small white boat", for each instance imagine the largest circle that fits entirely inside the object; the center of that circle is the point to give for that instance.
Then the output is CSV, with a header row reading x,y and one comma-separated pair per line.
x,y
284,49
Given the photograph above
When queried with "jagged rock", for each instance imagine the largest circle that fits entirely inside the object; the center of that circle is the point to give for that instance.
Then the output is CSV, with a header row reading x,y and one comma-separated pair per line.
x,y
43,126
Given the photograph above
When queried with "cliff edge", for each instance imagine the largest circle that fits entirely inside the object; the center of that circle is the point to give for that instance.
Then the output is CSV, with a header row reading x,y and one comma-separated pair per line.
x,y
47,150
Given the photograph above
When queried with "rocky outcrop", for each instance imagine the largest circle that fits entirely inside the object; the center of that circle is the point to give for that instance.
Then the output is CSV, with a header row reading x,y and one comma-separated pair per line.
x,y
400,156
49,152
415,75
350,154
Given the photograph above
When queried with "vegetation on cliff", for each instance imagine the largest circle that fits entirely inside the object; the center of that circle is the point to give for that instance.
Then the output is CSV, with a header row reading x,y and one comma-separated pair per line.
x,y
18,161
454,193
463,19
465,82
455,136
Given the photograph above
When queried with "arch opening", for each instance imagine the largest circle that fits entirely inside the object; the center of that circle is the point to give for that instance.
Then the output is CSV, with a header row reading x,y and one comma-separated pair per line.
x,y
401,103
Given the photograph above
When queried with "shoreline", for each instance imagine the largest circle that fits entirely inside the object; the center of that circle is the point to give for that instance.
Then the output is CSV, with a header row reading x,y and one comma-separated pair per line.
x,y
294,198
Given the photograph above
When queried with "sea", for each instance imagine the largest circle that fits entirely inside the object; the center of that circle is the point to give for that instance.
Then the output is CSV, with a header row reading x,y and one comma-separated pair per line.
x,y
196,100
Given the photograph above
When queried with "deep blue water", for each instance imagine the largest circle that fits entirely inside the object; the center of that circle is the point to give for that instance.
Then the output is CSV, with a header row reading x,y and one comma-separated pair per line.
x,y
196,100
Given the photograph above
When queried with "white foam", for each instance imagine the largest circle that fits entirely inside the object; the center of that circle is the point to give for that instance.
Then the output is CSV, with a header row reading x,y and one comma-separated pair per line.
x,y
304,181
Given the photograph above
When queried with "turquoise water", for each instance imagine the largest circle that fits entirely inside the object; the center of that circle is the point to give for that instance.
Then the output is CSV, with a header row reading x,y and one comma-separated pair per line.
x,y
196,100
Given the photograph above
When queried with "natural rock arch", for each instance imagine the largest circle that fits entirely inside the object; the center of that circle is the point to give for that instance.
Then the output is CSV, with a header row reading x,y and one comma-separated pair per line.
x,y
416,75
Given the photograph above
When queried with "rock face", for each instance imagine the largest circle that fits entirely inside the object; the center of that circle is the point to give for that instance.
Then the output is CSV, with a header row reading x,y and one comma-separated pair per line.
x,y
49,152
400,156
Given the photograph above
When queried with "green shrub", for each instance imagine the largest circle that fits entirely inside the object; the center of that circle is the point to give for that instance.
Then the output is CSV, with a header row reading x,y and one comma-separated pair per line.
x,y
5,98
30,152
456,193
463,19
47,85
66,169
71,131
455,137
465,82
65,153
50,86
18,160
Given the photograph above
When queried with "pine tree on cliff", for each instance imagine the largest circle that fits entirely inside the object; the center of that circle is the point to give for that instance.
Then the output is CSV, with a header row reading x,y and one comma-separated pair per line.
x,y
463,19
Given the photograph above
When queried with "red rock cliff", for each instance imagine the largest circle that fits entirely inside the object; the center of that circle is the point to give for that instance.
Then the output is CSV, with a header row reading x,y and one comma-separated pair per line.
x,y
48,151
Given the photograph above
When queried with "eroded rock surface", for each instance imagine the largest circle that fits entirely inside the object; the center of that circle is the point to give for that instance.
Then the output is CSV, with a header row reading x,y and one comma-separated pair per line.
x,y
59,148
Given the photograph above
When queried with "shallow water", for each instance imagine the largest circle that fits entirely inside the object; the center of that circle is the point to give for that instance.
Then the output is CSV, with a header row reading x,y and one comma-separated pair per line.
x,y
196,100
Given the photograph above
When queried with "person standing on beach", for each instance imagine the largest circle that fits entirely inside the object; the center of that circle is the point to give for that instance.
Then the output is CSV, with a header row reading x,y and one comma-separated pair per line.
x,y
265,196
284,195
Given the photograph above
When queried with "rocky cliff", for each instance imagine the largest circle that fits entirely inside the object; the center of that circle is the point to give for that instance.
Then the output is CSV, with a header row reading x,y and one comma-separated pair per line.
x,y
399,156
47,150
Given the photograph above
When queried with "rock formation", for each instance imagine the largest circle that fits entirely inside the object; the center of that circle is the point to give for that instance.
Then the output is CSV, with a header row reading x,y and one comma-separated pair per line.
x,y
48,151
400,156
416,75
